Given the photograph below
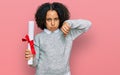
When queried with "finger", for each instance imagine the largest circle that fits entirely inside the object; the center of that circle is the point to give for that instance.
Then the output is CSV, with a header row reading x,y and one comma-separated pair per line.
x,y
63,31
67,29
67,25
27,52
28,56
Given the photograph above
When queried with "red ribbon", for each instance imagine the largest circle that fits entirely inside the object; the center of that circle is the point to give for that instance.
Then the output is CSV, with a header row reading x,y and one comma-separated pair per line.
x,y
30,42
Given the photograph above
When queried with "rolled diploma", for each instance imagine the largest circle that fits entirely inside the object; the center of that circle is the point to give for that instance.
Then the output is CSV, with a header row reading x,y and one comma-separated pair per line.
x,y
31,35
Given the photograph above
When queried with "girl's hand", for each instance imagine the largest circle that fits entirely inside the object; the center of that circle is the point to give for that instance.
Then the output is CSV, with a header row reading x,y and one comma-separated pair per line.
x,y
28,54
65,28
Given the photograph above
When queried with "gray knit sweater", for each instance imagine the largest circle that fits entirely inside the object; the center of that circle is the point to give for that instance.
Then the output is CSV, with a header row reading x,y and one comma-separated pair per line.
x,y
53,49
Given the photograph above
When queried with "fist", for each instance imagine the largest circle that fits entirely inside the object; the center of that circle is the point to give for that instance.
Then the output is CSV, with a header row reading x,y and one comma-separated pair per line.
x,y
65,28
28,54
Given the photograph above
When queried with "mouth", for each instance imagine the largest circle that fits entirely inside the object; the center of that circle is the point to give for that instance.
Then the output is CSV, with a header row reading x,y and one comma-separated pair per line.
x,y
53,28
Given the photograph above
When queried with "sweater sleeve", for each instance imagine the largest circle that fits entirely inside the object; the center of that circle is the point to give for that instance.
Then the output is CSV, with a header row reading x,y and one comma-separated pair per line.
x,y
37,50
77,27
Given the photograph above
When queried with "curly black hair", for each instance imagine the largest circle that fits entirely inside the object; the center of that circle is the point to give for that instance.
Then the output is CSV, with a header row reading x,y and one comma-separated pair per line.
x,y
40,16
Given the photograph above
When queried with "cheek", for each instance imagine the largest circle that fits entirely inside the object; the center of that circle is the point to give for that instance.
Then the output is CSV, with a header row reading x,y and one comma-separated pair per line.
x,y
58,23
47,25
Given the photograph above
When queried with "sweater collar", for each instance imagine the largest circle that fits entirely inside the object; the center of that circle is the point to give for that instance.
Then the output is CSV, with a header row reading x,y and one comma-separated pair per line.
x,y
49,32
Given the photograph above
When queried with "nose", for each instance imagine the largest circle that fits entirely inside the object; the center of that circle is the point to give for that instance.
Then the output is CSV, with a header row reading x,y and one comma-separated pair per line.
x,y
53,23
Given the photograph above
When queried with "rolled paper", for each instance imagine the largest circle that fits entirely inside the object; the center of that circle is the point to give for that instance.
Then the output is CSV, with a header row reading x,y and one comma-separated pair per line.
x,y
29,39
31,36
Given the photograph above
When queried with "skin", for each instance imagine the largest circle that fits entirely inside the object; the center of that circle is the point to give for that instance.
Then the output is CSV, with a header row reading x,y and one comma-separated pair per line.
x,y
52,20
52,24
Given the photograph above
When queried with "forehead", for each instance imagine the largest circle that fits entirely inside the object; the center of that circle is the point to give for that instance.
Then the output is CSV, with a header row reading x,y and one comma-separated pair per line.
x,y
51,14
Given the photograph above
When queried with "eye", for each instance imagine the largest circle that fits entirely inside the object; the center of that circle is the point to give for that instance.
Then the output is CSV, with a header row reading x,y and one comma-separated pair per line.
x,y
56,19
48,19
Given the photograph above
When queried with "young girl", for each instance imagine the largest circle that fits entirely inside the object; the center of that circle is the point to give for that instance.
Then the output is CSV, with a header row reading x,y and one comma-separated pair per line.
x,y
53,45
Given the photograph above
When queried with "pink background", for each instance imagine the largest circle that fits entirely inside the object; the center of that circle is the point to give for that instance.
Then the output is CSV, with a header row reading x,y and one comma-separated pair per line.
x,y
97,52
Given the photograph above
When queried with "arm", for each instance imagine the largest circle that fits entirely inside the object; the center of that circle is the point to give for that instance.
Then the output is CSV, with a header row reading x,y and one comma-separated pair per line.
x,y
77,27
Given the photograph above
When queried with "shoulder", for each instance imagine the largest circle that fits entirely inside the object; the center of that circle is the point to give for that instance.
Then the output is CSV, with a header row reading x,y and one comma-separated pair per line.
x,y
37,36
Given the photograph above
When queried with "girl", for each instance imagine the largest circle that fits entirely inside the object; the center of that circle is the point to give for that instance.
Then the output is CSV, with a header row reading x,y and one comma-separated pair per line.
x,y
53,45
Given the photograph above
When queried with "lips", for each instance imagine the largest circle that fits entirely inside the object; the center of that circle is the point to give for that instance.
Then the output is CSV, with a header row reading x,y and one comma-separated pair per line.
x,y
52,28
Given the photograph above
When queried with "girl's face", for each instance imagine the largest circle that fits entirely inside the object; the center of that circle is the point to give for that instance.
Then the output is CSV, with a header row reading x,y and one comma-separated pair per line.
x,y
52,20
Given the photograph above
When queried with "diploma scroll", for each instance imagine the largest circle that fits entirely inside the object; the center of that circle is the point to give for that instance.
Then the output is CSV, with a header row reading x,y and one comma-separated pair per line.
x,y
31,37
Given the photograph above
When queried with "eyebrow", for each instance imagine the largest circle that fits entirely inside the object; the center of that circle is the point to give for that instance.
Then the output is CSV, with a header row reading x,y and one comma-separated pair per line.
x,y
54,18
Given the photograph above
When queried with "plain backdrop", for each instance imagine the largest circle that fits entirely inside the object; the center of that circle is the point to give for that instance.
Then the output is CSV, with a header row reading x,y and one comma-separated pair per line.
x,y
97,52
